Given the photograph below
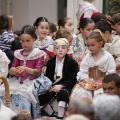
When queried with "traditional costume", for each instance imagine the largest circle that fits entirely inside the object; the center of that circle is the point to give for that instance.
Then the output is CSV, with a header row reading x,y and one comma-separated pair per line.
x,y
22,85
79,48
43,44
60,73
94,71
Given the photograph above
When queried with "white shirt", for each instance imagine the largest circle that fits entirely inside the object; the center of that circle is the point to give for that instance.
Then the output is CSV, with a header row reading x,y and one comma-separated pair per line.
x,y
105,64
4,61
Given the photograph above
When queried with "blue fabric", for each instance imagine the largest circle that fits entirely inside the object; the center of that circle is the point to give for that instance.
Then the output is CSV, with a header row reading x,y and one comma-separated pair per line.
x,y
42,84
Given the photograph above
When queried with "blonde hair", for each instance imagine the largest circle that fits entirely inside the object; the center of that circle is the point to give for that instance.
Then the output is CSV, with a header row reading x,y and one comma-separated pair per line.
x,y
97,35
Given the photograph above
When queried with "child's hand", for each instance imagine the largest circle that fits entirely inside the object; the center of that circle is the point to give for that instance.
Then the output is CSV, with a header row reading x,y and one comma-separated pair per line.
x,y
14,71
21,68
55,88
98,85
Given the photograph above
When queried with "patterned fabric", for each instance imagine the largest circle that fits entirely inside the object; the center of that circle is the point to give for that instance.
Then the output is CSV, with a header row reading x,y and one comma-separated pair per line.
x,y
6,39
41,44
22,97
79,48
34,60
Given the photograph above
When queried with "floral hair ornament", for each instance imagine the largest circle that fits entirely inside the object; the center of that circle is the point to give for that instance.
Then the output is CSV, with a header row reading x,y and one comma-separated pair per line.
x,y
61,41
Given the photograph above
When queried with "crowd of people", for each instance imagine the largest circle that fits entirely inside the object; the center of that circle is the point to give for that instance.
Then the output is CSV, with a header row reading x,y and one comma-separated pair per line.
x,y
44,62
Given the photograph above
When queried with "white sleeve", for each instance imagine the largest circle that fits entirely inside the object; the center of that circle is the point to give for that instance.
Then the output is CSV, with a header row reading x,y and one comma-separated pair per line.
x,y
111,66
83,72
3,69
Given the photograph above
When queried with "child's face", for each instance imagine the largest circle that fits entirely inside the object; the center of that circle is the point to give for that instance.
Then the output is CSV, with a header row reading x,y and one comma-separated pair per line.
x,y
42,30
70,38
60,51
93,45
27,42
69,26
89,27
117,28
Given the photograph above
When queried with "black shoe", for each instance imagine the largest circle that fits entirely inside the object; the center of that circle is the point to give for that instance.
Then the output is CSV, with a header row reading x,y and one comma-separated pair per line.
x,y
44,113
59,118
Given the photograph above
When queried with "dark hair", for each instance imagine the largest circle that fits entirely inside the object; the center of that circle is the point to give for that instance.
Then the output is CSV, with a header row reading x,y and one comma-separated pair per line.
x,y
62,21
105,25
84,22
112,77
29,30
21,117
39,20
17,32
96,18
116,17
97,35
52,27
6,22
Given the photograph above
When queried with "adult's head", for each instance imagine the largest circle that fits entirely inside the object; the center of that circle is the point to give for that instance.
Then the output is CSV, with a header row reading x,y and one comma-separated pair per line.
x,y
107,107
111,84
81,105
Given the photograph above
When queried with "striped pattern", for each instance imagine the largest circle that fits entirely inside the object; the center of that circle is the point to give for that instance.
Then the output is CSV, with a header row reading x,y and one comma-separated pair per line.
x,y
6,39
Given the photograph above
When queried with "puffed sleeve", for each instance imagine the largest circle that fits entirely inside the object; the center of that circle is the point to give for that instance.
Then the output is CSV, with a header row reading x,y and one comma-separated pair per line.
x,y
83,72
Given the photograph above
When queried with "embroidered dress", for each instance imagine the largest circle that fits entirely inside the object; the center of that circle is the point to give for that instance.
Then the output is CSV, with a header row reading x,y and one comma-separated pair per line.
x,y
79,48
22,97
105,65
43,44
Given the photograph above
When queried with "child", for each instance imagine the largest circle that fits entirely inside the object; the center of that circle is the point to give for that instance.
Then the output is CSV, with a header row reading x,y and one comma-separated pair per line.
x,y
66,23
79,43
95,65
116,19
112,42
6,35
27,66
42,30
62,71
61,34
52,30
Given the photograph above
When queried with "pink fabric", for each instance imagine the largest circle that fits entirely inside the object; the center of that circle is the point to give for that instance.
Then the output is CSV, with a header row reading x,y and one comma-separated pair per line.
x,y
34,64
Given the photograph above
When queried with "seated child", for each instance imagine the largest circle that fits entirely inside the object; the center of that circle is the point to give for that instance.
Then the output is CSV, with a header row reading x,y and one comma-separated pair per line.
x,y
62,71
26,67
94,66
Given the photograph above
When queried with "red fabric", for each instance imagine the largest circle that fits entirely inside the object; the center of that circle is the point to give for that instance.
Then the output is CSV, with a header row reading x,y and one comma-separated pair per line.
x,y
95,13
51,54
